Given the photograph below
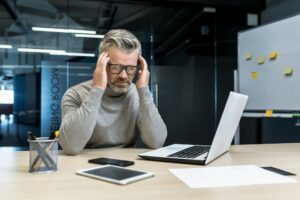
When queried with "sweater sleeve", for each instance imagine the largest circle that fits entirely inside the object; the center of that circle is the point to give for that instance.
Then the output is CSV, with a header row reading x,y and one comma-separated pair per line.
x,y
78,119
152,128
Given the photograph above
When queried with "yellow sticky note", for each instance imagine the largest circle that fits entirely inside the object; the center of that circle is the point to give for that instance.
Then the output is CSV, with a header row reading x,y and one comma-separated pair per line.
x,y
254,75
288,71
273,55
269,113
261,60
248,56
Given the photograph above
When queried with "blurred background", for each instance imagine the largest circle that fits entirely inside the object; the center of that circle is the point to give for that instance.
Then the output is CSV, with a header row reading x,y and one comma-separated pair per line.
x,y
47,46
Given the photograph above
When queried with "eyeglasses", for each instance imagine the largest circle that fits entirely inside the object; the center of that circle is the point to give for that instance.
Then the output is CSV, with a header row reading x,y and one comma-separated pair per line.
x,y
117,68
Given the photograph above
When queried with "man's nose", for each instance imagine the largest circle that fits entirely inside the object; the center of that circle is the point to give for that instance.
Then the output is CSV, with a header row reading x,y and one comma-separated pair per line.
x,y
123,74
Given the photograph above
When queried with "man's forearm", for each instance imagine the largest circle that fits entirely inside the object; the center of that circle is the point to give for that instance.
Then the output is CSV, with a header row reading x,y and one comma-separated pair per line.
x,y
153,129
78,122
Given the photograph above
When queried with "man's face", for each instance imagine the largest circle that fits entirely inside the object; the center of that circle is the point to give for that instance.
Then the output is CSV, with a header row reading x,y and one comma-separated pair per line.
x,y
120,82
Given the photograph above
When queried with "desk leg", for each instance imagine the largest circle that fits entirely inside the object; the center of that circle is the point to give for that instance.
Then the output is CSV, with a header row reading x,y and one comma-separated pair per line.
x,y
259,130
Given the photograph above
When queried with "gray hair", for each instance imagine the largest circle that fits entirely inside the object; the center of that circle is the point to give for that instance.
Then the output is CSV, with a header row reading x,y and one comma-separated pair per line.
x,y
121,39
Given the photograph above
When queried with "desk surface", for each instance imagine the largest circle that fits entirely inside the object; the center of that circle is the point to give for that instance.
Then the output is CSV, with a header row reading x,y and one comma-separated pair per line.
x,y
17,183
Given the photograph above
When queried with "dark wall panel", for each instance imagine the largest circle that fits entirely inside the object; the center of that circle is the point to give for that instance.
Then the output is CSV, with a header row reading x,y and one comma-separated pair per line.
x,y
26,98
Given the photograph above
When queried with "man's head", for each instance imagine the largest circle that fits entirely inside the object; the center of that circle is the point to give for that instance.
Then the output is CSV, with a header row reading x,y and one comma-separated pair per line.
x,y
123,49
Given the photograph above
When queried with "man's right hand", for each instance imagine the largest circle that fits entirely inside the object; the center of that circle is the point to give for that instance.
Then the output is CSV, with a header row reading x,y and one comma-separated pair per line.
x,y
100,75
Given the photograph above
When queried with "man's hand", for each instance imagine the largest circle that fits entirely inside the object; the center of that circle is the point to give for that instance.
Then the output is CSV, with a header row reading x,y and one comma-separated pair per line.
x,y
143,74
100,76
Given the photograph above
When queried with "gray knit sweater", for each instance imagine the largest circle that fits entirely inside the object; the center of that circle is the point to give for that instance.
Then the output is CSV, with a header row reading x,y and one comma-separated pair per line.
x,y
93,118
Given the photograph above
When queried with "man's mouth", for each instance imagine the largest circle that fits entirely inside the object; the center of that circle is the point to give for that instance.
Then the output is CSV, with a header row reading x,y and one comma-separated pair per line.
x,y
121,83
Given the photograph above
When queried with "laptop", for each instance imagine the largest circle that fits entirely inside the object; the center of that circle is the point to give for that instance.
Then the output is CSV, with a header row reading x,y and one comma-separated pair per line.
x,y
204,154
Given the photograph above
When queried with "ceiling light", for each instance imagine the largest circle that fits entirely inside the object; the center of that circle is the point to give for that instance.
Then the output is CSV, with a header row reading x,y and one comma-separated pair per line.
x,y
40,50
73,54
5,46
89,36
209,9
62,30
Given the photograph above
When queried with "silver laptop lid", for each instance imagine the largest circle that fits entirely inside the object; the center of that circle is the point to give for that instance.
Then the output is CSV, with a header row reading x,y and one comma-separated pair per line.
x,y
228,124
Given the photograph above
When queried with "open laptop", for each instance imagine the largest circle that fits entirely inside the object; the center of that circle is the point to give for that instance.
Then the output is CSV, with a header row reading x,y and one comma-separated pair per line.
x,y
204,154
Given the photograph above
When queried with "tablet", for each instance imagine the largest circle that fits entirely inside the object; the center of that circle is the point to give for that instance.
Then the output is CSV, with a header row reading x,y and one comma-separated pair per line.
x,y
115,174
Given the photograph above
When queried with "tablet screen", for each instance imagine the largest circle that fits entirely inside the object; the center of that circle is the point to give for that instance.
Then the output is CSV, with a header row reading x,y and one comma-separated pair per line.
x,y
114,172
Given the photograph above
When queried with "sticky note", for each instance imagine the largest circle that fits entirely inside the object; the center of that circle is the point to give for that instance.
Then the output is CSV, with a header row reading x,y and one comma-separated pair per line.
x,y
273,55
248,56
254,75
269,113
261,60
288,71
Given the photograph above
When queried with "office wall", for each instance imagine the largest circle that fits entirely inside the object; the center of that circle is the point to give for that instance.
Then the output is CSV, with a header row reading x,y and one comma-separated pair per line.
x,y
26,98
186,98
279,9
192,92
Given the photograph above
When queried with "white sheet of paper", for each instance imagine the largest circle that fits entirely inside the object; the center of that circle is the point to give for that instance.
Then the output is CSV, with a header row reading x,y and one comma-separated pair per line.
x,y
228,176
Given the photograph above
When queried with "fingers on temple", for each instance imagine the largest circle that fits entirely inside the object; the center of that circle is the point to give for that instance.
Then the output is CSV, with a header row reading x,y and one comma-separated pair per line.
x,y
101,59
105,61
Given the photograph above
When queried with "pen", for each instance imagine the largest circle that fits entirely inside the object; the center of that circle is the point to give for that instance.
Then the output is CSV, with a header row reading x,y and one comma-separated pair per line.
x,y
54,135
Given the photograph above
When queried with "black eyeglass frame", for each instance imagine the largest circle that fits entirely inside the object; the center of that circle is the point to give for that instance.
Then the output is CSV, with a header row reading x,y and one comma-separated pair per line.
x,y
122,67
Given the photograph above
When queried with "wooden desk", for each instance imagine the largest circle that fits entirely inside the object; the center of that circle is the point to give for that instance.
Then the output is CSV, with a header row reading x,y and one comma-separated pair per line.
x,y
17,183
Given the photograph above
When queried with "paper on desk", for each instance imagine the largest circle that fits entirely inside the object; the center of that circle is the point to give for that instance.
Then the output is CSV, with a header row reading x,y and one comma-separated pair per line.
x,y
228,176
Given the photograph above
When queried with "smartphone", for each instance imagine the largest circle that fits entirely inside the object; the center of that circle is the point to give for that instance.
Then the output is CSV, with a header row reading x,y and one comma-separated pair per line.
x,y
279,171
111,161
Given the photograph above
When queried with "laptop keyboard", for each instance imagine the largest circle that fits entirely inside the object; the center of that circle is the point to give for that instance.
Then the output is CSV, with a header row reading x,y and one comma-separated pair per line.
x,y
191,152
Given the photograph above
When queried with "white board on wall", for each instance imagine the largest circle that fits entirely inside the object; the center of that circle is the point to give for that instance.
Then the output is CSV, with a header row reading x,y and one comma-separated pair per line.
x,y
275,84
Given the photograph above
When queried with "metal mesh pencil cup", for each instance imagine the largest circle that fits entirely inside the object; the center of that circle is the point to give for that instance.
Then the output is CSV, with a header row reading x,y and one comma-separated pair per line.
x,y
43,155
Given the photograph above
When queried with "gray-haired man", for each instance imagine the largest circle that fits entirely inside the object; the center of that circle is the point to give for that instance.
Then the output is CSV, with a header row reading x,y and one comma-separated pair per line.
x,y
110,110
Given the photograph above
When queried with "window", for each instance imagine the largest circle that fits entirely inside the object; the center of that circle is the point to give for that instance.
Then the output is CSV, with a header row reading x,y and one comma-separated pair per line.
x,y
6,96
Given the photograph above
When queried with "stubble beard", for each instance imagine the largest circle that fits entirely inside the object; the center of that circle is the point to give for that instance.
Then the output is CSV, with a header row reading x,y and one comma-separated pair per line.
x,y
117,89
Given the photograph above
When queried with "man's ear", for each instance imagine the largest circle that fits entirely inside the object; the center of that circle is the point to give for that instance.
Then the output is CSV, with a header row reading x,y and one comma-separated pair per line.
x,y
139,59
139,62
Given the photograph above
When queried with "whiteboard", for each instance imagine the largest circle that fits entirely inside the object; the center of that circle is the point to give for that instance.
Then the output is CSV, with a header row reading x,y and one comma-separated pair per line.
x,y
267,84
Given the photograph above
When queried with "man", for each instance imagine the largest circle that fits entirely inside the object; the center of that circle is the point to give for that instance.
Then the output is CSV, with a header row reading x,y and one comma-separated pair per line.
x,y
110,110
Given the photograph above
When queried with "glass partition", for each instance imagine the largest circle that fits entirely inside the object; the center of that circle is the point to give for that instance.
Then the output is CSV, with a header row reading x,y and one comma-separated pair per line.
x,y
47,46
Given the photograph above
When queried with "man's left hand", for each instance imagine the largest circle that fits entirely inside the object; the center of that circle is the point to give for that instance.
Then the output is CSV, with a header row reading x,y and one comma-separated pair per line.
x,y
143,74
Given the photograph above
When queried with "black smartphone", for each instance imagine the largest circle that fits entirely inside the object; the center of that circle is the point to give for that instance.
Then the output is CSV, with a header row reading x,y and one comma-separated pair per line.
x,y
111,161
279,171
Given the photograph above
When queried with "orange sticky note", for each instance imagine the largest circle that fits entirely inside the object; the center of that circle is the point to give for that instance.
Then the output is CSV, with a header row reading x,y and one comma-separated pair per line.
x,y
273,55
254,75
269,113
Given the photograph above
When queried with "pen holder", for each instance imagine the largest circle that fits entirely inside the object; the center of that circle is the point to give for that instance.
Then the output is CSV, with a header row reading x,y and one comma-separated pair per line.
x,y
43,155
